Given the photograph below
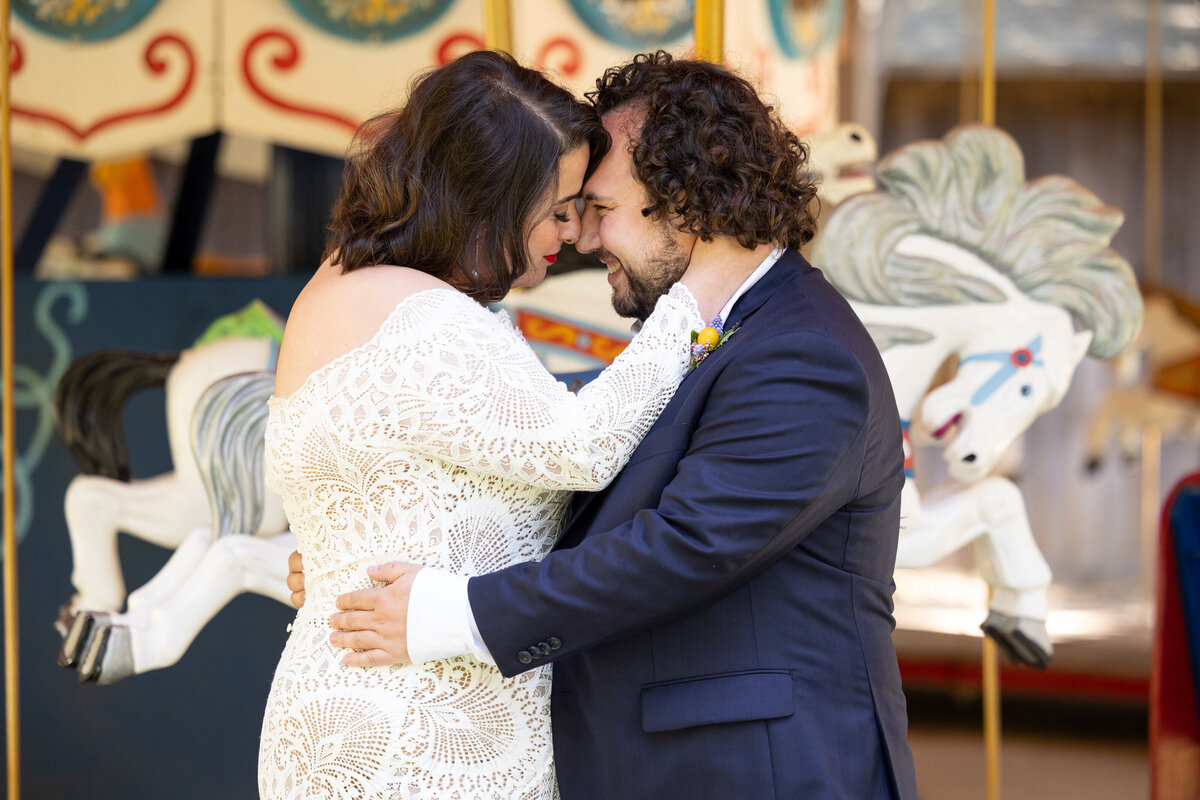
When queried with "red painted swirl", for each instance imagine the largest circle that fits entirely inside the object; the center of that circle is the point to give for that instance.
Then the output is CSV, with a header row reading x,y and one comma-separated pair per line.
x,y
154,62
287,60
573,57
16,57
458,44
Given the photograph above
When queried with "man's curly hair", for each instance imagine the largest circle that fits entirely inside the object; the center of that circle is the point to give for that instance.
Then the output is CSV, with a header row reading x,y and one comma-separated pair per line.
x,y
712,155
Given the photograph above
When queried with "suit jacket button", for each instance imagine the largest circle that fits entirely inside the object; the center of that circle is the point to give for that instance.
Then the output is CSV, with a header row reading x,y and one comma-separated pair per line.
x,y
554,642
544,647
524,657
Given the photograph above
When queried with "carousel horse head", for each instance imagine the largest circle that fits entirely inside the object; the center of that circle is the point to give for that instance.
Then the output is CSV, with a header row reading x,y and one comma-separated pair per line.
x,y
956,225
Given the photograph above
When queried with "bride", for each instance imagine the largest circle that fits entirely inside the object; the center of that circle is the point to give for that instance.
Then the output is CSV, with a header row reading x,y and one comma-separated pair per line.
x,y
411,422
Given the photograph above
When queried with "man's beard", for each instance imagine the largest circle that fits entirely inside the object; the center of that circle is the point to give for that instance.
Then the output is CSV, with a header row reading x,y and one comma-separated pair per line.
x,y
655,278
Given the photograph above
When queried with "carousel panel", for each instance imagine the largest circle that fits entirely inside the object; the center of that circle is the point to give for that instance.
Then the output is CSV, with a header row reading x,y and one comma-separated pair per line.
x,y
97,79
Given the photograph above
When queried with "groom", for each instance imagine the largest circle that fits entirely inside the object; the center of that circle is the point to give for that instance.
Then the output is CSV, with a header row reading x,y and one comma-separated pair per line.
x,y
719,617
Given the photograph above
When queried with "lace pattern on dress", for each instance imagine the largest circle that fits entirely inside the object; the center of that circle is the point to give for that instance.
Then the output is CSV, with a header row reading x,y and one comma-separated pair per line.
x,y
441,441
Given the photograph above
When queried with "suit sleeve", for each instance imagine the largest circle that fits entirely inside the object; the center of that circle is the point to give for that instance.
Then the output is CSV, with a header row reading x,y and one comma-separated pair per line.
x,y
778,450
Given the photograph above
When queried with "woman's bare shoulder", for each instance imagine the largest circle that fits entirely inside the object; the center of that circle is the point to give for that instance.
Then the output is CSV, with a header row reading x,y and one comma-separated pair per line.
x,y
339,312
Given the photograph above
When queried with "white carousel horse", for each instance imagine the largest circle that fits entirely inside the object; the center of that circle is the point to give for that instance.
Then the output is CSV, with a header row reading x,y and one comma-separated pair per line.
x,y
212,565
958,255
1143,395
170,510
842,158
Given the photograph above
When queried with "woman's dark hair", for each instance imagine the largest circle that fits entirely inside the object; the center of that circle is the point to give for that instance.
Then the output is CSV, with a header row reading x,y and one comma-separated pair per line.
x,y
713,157
449,183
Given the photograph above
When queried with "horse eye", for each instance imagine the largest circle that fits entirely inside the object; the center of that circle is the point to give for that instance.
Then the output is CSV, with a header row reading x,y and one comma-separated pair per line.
x,y
1025,390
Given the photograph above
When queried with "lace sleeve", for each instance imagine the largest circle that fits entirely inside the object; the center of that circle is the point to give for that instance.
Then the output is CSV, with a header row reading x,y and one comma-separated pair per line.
x,y
453,380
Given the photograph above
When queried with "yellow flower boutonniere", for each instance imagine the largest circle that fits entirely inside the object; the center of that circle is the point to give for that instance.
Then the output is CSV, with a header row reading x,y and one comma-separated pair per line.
x,y
709,339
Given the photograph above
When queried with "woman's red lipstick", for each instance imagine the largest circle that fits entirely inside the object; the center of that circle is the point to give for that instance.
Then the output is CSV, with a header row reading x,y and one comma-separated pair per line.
x,y
551,259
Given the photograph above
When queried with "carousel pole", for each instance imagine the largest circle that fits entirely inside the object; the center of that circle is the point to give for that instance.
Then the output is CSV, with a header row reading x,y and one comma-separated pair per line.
x,y
991,660
1151,457
8,359
709,29
497,25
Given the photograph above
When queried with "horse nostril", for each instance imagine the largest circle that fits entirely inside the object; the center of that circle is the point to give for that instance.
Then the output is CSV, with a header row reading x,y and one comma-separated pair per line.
x,y
969,458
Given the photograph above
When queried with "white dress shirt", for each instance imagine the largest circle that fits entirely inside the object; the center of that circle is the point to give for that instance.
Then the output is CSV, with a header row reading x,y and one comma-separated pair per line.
x,y
440,621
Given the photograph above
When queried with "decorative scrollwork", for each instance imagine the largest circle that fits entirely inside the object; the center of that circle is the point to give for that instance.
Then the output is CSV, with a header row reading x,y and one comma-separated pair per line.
x,y
32,390
154,62
287,60
458,44
568,48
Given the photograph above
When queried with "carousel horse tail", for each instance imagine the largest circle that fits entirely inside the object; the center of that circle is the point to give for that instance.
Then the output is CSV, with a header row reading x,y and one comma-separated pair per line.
x,y
90,398
228,430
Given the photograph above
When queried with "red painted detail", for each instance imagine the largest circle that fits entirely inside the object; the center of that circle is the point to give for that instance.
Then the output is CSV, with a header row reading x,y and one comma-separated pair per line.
x,y
573,55
154,63
16,56
1021,358
570,335
1022,680
286,61
453,46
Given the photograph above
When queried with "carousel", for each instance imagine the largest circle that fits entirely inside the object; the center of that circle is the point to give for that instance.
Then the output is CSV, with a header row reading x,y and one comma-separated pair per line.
x,y
1003,201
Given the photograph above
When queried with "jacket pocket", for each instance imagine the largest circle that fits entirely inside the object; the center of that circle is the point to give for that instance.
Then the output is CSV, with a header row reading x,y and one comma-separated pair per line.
x,y
716,699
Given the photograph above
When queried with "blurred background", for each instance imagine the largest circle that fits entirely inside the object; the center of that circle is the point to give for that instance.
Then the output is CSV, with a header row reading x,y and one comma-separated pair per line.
x,y
175,160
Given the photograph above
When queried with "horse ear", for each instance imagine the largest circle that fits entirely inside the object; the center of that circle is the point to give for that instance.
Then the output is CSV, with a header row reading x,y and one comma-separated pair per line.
x,y
1080,343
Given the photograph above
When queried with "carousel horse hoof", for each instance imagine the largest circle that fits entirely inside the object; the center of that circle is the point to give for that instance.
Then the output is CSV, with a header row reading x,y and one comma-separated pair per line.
x,y
1023,640
74,640
66,617
109,655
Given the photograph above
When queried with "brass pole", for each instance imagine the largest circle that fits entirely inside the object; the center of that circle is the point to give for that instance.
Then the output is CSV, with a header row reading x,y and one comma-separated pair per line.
x,y
710,30
987,81
991,660
11,675
497,25
1152,253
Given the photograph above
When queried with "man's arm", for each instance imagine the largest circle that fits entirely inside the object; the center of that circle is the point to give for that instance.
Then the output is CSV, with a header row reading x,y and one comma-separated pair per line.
x,y
778,450
776,453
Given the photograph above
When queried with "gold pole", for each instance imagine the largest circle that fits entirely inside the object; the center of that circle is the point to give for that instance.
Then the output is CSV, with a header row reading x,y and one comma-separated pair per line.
x,y
497,25
710,30
987,82
8,363
991,660
1152,253
1148,506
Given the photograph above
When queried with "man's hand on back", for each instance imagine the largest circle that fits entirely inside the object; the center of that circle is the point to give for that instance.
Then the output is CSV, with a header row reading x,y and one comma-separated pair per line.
x,y
374,622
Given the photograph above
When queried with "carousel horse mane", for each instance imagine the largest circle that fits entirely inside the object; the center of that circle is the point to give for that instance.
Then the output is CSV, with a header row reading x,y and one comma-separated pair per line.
x,y
90,399
1049,237
228,429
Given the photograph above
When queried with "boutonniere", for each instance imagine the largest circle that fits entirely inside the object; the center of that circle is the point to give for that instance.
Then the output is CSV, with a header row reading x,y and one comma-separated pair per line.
x,y
708,339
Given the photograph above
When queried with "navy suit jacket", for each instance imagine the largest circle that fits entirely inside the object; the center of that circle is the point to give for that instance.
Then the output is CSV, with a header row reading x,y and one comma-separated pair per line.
x,y
720,616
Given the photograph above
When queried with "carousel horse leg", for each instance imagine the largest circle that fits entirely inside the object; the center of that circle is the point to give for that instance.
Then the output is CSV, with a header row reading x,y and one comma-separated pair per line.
x,y
157,636
159,510
991,514
83,627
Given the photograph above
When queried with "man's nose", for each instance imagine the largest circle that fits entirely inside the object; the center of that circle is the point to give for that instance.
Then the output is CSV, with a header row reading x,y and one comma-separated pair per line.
x,y
589,233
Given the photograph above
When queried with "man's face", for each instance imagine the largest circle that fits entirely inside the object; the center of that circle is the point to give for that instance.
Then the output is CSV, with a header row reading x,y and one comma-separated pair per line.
x,y
644,256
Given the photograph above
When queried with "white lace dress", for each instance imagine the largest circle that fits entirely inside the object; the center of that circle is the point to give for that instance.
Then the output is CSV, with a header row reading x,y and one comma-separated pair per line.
x,y
441,441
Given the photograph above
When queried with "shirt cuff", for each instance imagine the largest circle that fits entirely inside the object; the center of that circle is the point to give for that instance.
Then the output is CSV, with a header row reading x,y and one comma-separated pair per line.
x,y
440,621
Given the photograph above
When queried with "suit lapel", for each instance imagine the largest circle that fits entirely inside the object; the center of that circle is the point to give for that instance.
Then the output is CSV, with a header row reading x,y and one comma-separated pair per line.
x,y
787,267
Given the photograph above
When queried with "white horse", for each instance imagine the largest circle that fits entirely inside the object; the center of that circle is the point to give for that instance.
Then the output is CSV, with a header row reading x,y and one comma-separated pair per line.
x,y
171,510
958,255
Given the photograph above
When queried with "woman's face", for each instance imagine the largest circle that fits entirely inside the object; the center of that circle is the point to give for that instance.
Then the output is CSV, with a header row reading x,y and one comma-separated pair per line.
x,y
556,223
